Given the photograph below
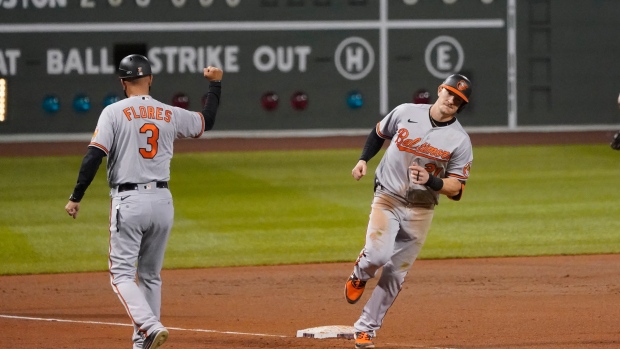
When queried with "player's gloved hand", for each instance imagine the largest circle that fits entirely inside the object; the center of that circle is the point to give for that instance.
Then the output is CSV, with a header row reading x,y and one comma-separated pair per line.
x,y
615,143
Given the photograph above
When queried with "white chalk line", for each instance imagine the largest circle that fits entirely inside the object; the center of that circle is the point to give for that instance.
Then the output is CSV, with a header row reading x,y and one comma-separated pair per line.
x,y
414,346
129,325
181,329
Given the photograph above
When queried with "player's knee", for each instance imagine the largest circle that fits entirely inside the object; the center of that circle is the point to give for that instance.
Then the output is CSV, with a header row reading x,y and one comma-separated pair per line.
x,y
149,276
377,259
122,273
117,279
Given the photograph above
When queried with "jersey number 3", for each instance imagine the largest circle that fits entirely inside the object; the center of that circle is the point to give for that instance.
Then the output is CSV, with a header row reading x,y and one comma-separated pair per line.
x,y
151,140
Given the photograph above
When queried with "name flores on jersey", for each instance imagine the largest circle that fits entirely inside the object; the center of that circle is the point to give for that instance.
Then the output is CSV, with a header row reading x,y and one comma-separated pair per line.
x,y
148,112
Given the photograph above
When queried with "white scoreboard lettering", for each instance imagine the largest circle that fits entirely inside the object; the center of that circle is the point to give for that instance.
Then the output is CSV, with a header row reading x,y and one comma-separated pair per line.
x,y
8,61
81,62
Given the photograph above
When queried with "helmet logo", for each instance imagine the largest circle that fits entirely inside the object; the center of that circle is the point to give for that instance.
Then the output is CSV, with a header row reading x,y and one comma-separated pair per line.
x,y
461,85
139,70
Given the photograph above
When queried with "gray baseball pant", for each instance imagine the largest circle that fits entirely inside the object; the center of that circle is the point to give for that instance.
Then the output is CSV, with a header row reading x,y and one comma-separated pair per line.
x,y
140,224
395,235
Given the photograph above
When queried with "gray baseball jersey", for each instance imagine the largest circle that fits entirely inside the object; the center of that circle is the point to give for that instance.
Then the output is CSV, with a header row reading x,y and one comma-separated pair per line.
x,y
443,151
145,130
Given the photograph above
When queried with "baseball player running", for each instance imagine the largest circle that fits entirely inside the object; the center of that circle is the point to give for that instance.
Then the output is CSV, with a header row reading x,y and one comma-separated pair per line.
x,y
615,141
429,154
137,135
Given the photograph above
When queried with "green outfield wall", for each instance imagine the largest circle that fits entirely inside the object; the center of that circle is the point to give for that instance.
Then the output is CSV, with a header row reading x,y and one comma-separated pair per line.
x,y
329,64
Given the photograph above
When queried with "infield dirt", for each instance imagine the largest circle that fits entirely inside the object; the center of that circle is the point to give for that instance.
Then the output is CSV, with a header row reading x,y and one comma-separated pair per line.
x,y
540,302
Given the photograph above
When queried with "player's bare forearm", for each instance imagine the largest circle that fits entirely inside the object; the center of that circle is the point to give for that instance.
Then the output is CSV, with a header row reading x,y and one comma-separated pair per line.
x,y
451,187
448,186
359,170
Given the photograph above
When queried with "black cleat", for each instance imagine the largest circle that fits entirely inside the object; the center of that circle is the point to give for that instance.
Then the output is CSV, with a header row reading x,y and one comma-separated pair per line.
x,y
155,339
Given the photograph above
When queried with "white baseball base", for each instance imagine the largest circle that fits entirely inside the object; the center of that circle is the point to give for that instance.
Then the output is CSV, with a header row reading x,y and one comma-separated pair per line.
x,y
336,331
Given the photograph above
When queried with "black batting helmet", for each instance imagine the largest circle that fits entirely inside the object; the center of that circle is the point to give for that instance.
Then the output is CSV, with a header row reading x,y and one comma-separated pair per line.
x,y
460,86
134,66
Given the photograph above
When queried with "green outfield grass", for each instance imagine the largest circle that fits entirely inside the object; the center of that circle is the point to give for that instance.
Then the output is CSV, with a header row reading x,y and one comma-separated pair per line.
x,y
282,207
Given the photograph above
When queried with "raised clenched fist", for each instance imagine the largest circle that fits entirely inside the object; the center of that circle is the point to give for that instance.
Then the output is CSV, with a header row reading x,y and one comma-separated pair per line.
x,y
213,73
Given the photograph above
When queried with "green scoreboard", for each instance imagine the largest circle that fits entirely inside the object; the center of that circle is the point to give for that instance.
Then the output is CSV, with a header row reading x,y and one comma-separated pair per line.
x,y
289,64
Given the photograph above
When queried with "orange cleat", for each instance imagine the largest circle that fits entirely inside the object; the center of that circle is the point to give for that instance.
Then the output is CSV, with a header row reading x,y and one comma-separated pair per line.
x,y
353,289
363,340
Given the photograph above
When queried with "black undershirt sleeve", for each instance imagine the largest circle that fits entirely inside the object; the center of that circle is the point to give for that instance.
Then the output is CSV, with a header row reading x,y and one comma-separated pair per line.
x,y
213,101
372,146
88,170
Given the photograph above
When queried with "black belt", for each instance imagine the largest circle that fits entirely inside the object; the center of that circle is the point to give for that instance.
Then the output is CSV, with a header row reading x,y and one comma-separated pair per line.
x,y
134,186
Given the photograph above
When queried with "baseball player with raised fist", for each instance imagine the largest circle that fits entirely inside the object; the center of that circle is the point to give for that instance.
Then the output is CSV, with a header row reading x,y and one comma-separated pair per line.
x,y
429,154
137,135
